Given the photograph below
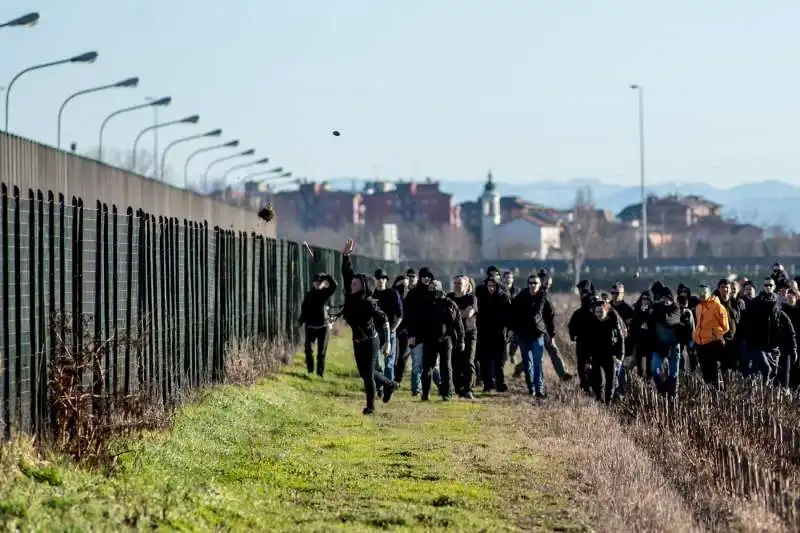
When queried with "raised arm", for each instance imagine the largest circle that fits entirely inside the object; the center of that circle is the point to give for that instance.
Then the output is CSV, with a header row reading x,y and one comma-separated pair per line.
x,y
347,266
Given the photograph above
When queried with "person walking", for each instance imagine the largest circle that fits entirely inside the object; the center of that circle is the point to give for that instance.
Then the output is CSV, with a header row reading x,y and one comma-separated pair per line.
x,y
532,320
314,316
709,335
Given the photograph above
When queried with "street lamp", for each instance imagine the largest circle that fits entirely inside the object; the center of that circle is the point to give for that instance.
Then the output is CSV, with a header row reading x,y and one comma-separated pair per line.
x,y
160,102
192,119
212,133
251,151
229,144
25,20
130,82
260,173
640,91
88,57
243,165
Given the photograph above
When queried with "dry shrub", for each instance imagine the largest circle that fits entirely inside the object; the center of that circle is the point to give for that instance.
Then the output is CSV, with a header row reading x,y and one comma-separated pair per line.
x,y
690,457
249,360
86,415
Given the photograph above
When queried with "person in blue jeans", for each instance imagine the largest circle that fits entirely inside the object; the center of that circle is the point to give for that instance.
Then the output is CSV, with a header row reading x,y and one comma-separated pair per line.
x,y
532,319
672,327
391,303
419,297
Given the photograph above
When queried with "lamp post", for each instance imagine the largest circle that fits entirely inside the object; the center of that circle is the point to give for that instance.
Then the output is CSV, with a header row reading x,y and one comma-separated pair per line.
x,y
229,144
261,173
88,57
130,82
25,20
244,165
192,119
251,151
212,133
160,102
640,91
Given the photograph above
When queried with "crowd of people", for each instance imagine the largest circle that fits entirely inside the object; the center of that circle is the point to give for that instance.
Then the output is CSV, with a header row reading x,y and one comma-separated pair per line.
x,y
462,340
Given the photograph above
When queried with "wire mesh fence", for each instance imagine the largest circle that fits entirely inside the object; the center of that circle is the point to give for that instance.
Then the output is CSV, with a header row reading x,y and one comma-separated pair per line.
x,y
184,289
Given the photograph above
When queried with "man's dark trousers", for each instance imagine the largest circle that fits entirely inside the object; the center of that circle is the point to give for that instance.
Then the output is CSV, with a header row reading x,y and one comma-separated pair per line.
x,y
318,335
443,351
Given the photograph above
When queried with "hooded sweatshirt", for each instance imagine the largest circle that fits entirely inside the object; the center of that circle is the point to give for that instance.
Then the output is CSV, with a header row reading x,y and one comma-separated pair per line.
x,y
711,321
314,309
361,311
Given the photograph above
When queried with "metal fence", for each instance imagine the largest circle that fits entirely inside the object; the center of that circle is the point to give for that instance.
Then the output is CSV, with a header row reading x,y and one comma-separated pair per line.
x,y
184,289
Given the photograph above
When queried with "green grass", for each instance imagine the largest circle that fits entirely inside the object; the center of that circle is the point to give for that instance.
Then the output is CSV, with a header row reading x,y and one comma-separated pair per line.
x,y
294,453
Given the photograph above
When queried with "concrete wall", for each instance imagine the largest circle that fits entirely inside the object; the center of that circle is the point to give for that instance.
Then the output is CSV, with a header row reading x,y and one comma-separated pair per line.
x,y
30,165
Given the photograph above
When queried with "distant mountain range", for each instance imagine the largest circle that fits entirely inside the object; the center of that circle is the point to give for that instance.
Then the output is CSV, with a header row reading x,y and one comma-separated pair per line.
x,y
764,203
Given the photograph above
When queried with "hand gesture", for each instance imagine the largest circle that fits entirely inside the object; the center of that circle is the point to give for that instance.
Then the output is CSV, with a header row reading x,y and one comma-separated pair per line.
x,y
348,247
387,349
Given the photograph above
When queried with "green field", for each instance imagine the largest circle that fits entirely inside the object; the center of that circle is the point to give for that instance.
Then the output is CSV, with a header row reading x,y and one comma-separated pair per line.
x,y
294,453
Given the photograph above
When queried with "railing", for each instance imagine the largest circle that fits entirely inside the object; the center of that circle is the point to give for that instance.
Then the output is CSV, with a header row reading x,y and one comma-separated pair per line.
x,y
185,289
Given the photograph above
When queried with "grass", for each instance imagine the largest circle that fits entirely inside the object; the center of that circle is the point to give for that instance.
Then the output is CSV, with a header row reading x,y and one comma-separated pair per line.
x,y
294,453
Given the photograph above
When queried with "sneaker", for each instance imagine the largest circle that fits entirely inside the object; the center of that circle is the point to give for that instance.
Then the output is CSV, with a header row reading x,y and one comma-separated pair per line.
x,y
468,395
388,391
487,389
567,376
446,398
425,398
368,411
541,395
502,388
414,393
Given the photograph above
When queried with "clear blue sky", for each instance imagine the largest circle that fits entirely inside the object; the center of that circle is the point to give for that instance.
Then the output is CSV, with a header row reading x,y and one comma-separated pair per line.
x,y
447,88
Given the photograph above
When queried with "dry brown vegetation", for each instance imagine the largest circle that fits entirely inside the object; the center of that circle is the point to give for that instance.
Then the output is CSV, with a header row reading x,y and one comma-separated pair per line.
x,y
713,461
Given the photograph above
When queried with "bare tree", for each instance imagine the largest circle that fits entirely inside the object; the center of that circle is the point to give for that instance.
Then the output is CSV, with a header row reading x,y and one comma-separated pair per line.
x,y
581,230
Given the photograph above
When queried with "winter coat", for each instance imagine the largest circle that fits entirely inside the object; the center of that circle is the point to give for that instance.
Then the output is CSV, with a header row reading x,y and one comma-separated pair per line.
x,y
361,311
440,320
711,321
605,338
532,316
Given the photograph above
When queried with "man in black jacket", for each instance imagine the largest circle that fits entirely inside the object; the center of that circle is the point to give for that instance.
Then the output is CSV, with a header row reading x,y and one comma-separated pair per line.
x,y
511,341
770,338
606,347
493,303
418,299
440,328
735,308
391,304
402,353
533,321
578,327
362,314
314,315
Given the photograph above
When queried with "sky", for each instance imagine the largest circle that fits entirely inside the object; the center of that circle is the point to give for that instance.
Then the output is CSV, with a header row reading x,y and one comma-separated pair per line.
x,y
533,90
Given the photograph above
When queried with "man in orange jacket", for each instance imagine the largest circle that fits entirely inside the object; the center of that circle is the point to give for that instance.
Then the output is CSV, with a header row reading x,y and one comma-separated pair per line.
x,y
712,324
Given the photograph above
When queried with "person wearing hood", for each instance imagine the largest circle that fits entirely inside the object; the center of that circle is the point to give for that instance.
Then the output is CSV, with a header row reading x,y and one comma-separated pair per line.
x,y
464,359
391,303
778,273
688,348
735,309
440,328
314,316
579,329
411,275
769,337
418,300
684,290
792,310
492,319
511,341
606,346
400,284
642,335
711,325
533,322
364,316
670,331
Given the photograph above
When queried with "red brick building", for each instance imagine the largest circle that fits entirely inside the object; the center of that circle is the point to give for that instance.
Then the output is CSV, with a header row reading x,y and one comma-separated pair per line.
x,y
314,205
407,202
